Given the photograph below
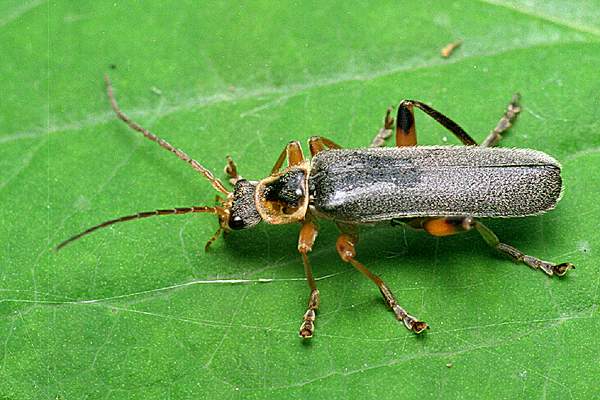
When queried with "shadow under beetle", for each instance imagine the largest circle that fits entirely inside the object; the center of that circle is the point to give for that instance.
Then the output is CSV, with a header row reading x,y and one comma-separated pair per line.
x,y
439,189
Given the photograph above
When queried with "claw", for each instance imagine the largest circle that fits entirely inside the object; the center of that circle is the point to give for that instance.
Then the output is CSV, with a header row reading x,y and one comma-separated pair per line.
x,y
419,326
561,269
410,322
308,326
549,268
414,324
306,331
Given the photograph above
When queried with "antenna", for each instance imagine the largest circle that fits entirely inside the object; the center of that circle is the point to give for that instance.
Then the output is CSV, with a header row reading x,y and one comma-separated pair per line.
x,y
139,215
215,182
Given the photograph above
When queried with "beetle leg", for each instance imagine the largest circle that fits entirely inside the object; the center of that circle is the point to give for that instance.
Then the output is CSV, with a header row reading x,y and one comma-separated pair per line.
x,y
231,171
505,122
345,248
308,234
451,225
293,153
384,133
319,143
446,226
406,132
212,239
405,122
533,262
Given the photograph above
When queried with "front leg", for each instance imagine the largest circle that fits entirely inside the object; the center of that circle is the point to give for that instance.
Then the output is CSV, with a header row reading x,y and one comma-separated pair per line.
x,y
292,152
308,234
231,171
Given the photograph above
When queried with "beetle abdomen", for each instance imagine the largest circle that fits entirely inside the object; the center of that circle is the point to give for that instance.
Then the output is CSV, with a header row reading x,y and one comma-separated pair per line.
x,y
377,184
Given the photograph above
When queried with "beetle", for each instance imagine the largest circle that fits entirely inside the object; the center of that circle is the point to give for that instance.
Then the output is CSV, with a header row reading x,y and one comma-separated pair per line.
x,y
442,190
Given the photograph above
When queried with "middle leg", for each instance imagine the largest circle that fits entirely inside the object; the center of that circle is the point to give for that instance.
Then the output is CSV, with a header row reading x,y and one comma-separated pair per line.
x,y
346,249
317,144
406,132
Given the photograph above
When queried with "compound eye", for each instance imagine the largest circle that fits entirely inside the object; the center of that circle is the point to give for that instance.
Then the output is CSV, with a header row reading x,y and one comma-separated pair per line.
x,y
236,222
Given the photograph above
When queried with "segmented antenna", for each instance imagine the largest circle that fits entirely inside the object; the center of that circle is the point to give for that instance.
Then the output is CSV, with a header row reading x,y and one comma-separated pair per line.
x,y
143,214
215,182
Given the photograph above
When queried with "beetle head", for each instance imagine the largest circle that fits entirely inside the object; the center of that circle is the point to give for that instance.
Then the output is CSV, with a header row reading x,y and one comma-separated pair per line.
x,y
279,199
242,210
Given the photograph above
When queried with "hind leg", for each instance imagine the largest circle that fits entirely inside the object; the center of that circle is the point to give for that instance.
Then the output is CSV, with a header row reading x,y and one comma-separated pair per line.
x,y
451,225
385,132
505,122
406,134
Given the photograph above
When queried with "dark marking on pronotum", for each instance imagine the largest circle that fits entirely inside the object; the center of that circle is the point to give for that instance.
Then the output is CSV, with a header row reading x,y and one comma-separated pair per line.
x,y
288,188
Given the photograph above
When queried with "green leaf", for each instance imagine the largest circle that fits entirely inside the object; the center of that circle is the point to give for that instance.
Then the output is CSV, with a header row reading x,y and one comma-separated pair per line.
x,y
140,311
